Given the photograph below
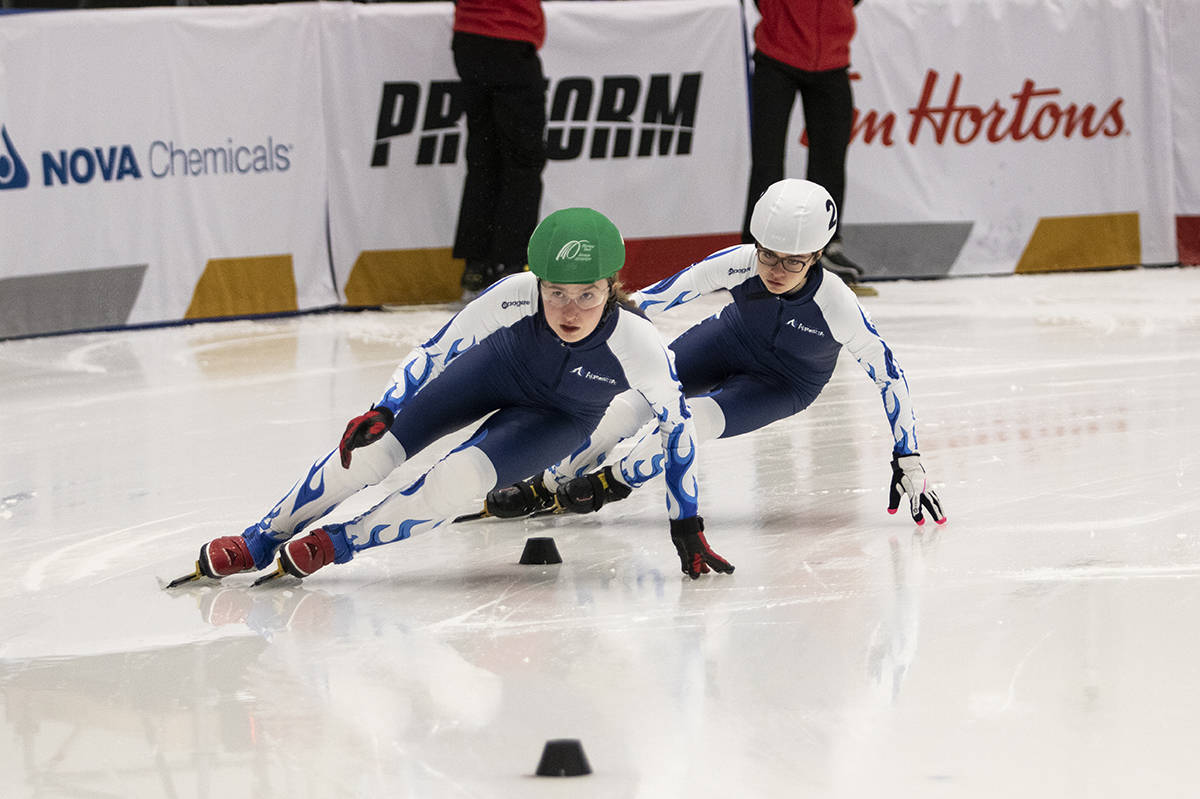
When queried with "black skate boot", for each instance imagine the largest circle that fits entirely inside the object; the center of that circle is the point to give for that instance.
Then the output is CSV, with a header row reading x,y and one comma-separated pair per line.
x,y
835,260
519,499
589,493
477,276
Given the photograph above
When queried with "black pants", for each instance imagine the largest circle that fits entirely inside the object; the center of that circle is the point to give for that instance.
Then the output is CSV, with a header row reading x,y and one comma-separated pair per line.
x,y
504,95
828,116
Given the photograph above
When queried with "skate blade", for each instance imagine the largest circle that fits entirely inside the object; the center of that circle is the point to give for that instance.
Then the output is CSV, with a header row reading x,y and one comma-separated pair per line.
x,y
483,514
266,578
863,291
185,579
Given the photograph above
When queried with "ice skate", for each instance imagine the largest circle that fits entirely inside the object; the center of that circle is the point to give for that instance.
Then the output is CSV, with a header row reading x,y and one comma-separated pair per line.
x,y
591,492
519,499
221,557
302,556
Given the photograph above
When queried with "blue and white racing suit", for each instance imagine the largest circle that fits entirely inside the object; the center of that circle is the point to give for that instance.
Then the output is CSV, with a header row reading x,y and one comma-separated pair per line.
x,y
497,354
763,357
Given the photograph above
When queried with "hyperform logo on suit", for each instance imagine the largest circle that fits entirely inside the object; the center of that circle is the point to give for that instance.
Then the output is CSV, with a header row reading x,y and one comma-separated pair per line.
x,y
577,250
616,116
160,159
588,374
796,323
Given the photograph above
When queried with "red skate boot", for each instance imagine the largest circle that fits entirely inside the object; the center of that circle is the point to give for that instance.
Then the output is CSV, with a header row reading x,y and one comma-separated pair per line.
x,y
221,557
303,556
231,554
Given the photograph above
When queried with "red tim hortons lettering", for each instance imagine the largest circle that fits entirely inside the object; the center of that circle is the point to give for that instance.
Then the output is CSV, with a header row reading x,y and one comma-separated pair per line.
x,y
1034,112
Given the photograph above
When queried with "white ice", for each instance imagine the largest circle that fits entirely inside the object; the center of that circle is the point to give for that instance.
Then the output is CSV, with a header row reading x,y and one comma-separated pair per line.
x,y
1043,643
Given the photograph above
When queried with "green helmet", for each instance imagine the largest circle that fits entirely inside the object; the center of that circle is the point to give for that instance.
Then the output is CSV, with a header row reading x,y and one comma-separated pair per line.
x,y
576,245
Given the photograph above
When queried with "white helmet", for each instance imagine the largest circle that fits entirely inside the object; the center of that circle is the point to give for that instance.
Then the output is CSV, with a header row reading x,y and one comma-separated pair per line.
x,y
794,217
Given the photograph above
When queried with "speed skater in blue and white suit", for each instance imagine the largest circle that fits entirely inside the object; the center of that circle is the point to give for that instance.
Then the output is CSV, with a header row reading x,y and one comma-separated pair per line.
x,y
544,353
766,356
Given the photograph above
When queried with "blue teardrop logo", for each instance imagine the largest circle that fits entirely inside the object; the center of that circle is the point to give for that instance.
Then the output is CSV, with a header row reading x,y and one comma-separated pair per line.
x,y
13,174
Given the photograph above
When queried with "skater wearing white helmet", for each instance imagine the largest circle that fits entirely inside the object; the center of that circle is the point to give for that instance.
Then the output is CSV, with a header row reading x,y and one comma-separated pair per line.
x,y
544,353
766,356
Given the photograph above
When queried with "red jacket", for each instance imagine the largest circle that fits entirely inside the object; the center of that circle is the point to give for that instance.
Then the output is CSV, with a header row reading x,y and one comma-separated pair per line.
x,y
813,35
520,20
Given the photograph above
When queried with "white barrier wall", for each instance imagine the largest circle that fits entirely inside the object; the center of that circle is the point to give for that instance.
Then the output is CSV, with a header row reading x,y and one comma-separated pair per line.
x,y
182,163
1183,75
647,122
160,164
1001,135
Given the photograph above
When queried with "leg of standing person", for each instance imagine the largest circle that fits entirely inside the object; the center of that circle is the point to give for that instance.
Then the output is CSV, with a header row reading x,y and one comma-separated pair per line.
x,y
475,63
772,96
828,104
829,116
519,109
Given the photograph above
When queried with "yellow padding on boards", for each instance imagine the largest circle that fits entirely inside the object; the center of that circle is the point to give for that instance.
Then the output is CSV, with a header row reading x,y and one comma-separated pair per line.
x,y
1082,242
404,277
244,286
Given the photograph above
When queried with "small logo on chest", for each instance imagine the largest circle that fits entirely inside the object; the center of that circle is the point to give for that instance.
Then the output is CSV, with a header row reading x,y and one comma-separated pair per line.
x,y
796,323
590,375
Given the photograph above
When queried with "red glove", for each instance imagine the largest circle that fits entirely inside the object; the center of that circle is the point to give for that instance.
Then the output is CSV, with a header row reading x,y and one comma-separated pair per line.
x,y
695,555
364,430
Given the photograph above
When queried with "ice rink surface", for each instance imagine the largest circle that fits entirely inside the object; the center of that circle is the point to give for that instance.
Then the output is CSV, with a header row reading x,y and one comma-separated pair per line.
x,y
1045,642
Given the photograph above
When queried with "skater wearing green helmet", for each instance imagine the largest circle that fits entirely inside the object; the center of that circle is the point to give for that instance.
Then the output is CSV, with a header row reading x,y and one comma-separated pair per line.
x,y
533,361
765,357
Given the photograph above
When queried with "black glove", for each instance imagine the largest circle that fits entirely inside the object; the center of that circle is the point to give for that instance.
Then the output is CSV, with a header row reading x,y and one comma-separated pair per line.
x,y
589,493
908,477
364,430
695,555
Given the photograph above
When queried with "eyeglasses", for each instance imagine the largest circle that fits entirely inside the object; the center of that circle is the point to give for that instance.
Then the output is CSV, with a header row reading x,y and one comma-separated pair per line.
x,y
591,297
791,263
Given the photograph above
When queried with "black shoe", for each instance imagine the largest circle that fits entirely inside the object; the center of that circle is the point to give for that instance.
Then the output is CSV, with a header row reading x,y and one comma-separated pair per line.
x,y
834,259
504,270
478,275
518,499
589,493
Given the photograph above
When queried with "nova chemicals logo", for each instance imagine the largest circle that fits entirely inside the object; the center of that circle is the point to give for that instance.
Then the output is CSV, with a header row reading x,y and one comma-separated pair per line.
x,y
13,174
617,116
161,159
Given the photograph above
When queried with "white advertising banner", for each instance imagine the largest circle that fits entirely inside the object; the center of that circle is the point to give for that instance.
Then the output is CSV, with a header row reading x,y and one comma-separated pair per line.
x,y
647,122
395,144
165,164
668,76
1183,28
1002,135
160,164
